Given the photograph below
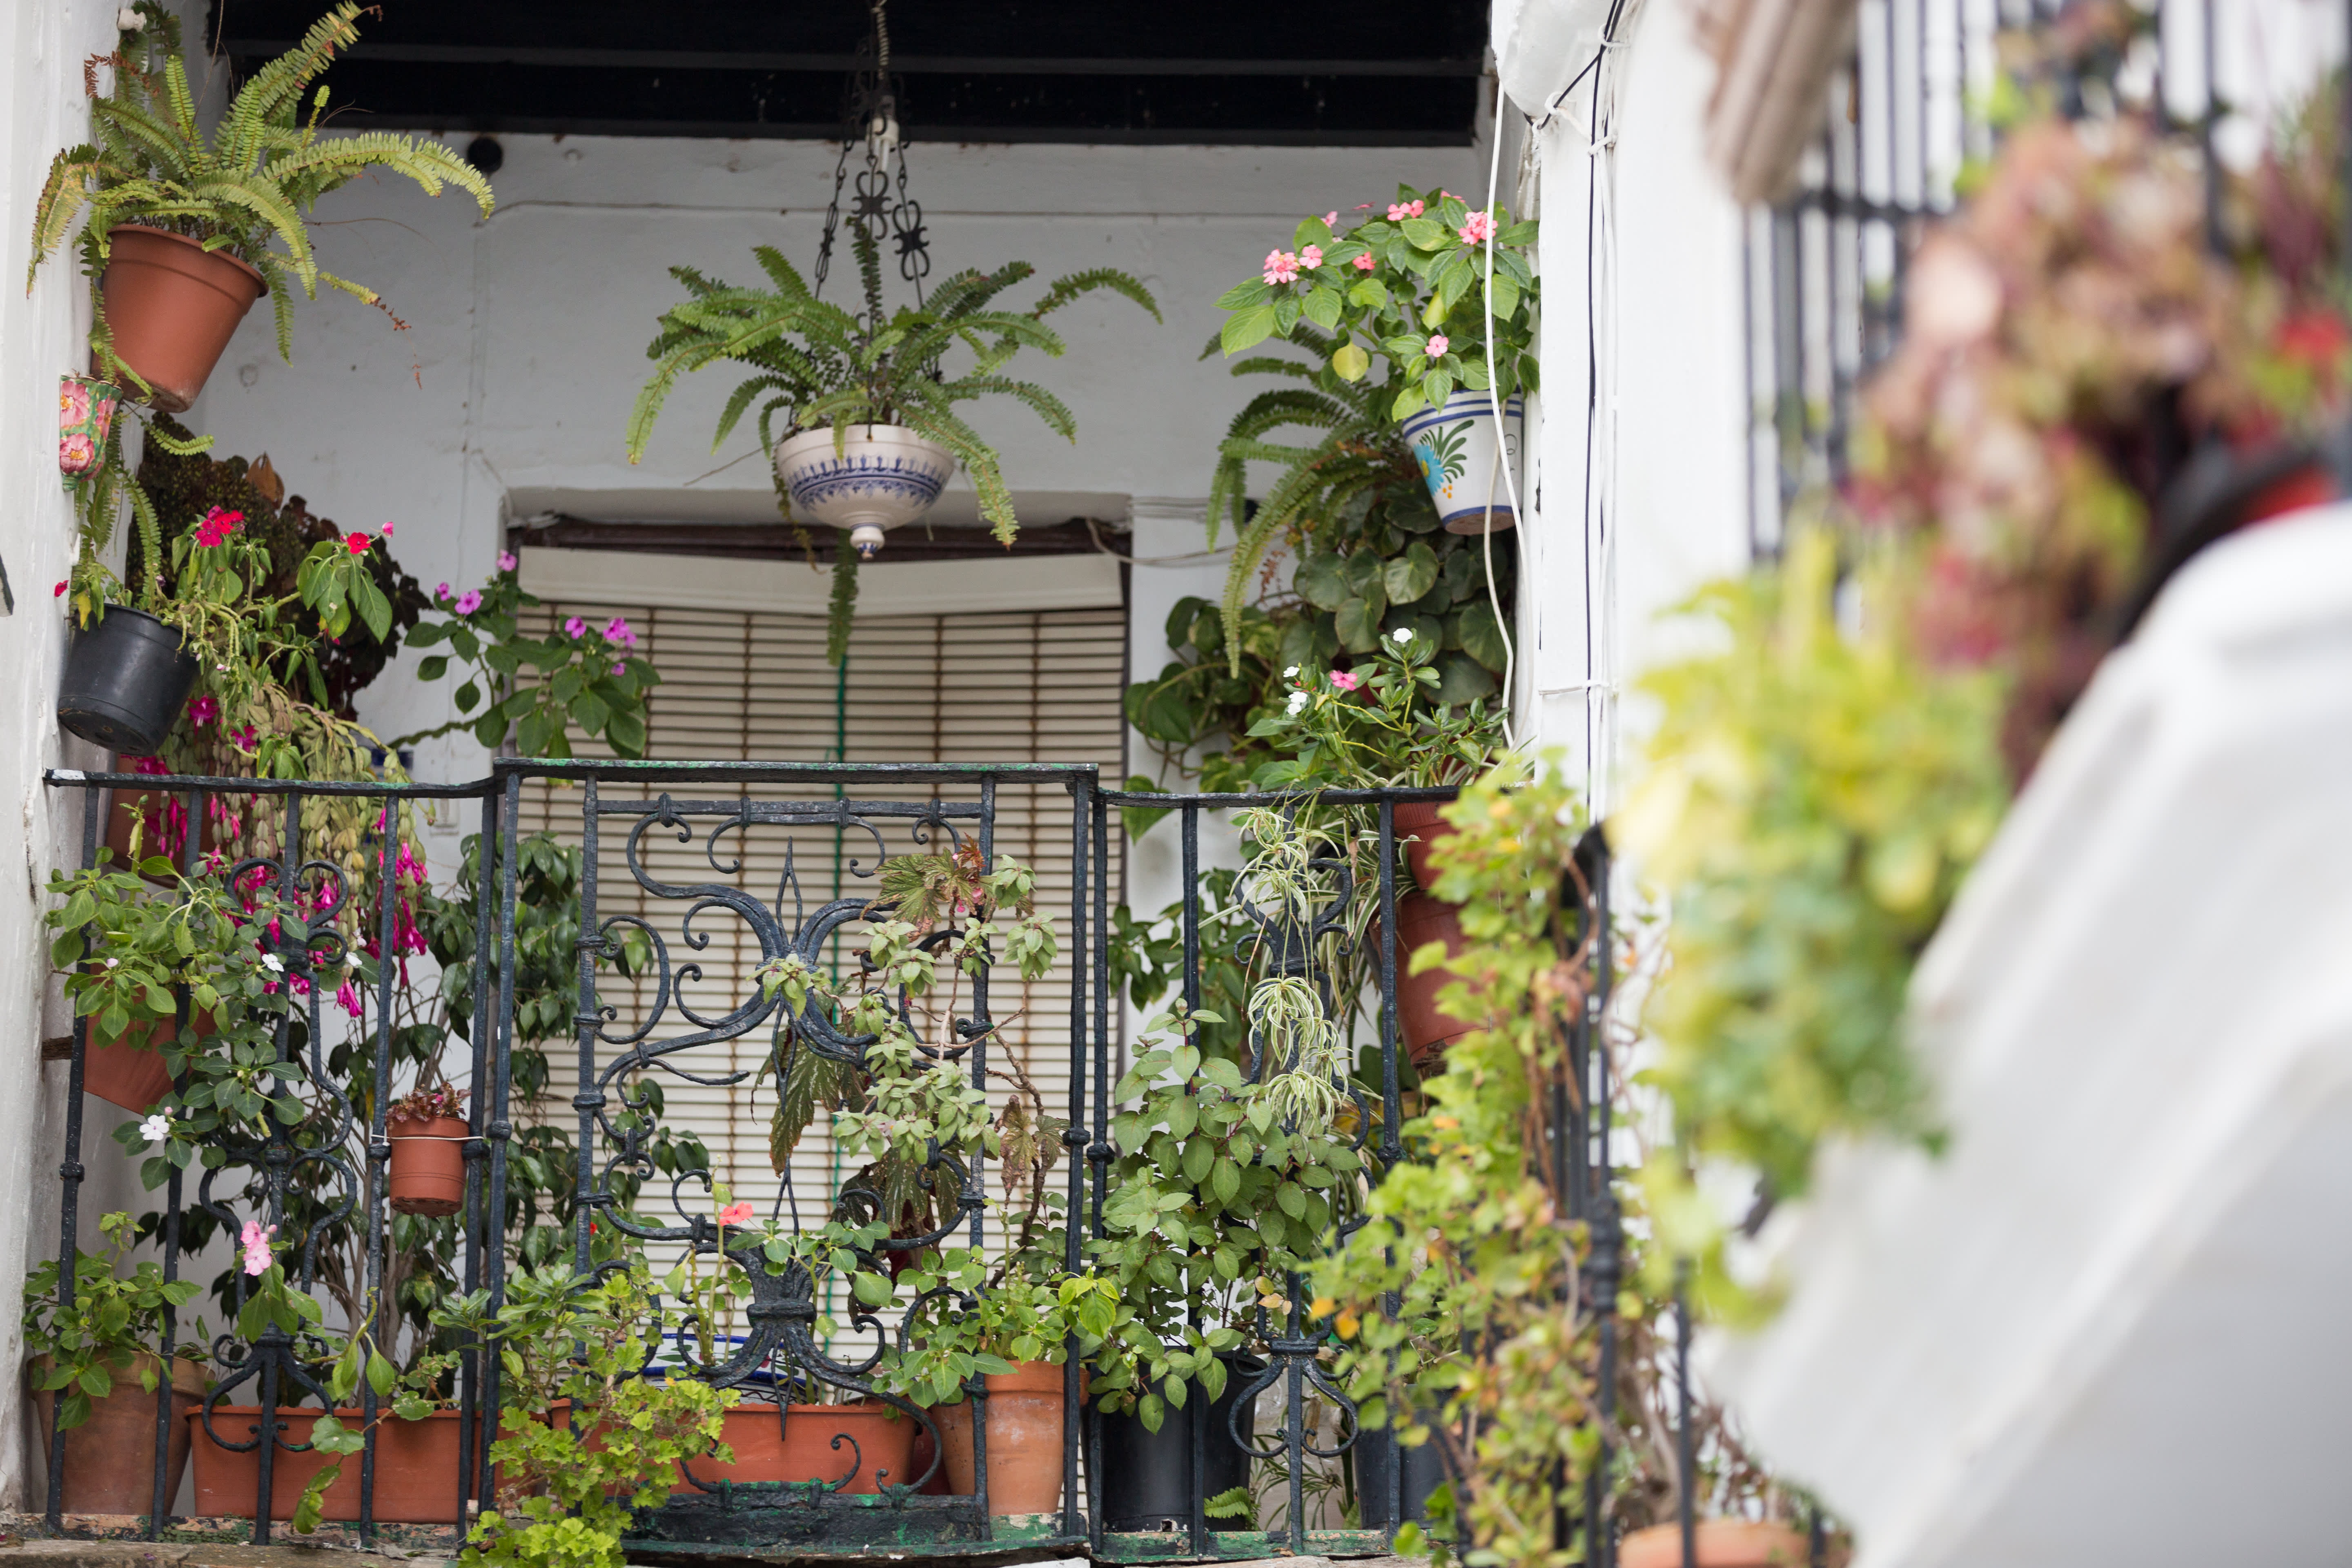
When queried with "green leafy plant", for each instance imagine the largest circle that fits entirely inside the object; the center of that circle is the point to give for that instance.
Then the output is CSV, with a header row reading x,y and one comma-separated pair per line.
x,y
251,182
986,1318
111,1325
818,365
1413,287
1388,726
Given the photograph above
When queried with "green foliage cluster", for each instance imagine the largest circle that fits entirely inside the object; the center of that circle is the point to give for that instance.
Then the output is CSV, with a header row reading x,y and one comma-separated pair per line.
x,y
1815,797
112,1324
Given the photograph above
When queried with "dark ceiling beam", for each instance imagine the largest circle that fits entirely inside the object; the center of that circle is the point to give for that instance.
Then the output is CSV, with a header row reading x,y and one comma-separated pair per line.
x,y
915,65
748,131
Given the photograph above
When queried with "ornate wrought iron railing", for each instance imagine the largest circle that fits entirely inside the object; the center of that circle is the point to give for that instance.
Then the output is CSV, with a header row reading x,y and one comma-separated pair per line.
x,y
678,837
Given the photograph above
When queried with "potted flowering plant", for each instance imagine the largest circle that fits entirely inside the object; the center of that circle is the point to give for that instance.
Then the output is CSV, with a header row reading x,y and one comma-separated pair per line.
x,y
93,1360
1445,298
870,433
428,1130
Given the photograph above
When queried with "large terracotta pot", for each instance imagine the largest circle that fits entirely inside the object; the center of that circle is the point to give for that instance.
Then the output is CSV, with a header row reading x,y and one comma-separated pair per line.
x,y
415,1468
877,1439
428,1164
1719,1543
1418,828
110,1457
1428,1031
172,307
1024,1440
132,1072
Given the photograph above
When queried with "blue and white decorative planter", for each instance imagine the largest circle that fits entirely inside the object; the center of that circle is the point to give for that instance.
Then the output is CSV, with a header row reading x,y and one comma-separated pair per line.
x,y
884,476
1454,446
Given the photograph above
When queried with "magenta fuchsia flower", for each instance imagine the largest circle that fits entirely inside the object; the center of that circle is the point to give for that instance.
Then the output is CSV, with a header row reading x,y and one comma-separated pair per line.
x,y
203,712
736,1213
216,525
1438,344
347,996
1281,267
506,561
1364,262
1400,211
617,630
468,602
1345,681
1476,228
1311,258
256,1243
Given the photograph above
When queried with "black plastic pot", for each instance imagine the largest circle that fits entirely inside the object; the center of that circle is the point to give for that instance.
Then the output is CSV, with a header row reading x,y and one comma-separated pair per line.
x,y
126,678
1148,1482
1376,1462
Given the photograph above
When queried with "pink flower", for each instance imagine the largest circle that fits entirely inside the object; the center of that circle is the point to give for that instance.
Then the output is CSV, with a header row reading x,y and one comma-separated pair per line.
x,y
217,526
1281,267
58,591
246,738
506,561
620,669
575,628
1476,228
618,631
1400,211
77,454
203,712
357,544
1345,681
387,531
1311,258
1364,262
73,402
348,995
1330,217
735,1214
256,1243
440,592
468,602
1437,344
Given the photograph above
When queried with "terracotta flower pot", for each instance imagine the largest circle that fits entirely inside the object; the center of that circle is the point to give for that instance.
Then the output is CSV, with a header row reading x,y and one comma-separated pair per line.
x,y
1419,827
110,1457
132,1072
428,1164
1427,1030
1719,1543
877,1439
172,307
415,1468
1024,1440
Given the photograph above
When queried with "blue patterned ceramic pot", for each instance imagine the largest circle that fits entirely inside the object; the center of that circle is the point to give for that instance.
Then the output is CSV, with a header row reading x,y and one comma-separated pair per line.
x,y
883,476
1454,446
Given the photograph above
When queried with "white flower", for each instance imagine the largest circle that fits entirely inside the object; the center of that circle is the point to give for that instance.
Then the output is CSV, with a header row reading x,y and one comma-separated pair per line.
x,y
1403,633
351,960
1290,674
112,962
273,963
156,1129
1297,702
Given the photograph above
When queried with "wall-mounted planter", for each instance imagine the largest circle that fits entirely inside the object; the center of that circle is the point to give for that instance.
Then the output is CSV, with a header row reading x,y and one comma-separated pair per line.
x,y
86,408
885,477
1454,445
172,307
428,1164
126,678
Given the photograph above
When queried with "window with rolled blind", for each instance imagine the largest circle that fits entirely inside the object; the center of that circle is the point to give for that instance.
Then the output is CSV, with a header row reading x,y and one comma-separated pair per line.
x,y
956,686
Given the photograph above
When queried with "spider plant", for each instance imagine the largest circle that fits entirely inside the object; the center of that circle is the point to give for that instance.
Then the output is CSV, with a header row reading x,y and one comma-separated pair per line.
x,y
253,180
817,364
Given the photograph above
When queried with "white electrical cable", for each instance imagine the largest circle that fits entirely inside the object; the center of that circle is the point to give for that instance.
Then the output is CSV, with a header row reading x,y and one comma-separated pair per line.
x,y
1511,740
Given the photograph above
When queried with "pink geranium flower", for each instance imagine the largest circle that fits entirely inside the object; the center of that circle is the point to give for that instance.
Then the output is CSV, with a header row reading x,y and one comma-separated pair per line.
x,y
1400,211
468,602
1345,681
1331,217
1281,267
1476,227
1364,262
735,1214
1438,344
256,1243
216,527
1311,258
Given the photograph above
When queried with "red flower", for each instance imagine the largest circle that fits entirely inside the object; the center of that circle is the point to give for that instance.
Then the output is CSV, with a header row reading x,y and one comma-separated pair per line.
x,y
357,544
2317,337
217,526
58,591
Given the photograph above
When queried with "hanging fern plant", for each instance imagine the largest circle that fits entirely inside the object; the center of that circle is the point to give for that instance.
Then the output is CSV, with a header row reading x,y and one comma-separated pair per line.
x,y
818,366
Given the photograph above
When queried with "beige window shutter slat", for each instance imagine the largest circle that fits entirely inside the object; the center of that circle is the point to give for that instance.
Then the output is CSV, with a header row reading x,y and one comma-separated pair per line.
x,y
1774,59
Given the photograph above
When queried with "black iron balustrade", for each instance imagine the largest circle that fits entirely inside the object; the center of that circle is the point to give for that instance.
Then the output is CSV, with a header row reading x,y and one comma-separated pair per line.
x,y
712,811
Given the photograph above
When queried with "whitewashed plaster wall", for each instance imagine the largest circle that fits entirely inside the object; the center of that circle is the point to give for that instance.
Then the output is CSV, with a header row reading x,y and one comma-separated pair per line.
x,y
509,391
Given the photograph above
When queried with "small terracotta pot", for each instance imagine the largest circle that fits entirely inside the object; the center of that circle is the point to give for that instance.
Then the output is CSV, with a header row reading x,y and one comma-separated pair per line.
x,y
415,1466
1419,828
428,1164
1024,1440
1427,1030
876,1438
1718,1543
132,1072
172,307
85,418
110,1457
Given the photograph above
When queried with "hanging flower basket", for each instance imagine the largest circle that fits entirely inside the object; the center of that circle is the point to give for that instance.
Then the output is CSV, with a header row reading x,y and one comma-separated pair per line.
x,y
85,418
1454,446
884,477
126,678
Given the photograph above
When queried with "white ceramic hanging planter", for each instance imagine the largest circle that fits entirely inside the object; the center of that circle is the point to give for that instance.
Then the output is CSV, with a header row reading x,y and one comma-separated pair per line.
x,y
1454,446
885,476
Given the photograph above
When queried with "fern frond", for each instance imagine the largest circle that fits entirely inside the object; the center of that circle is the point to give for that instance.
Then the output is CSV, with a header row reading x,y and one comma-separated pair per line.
x,y
1066,288
1048,407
